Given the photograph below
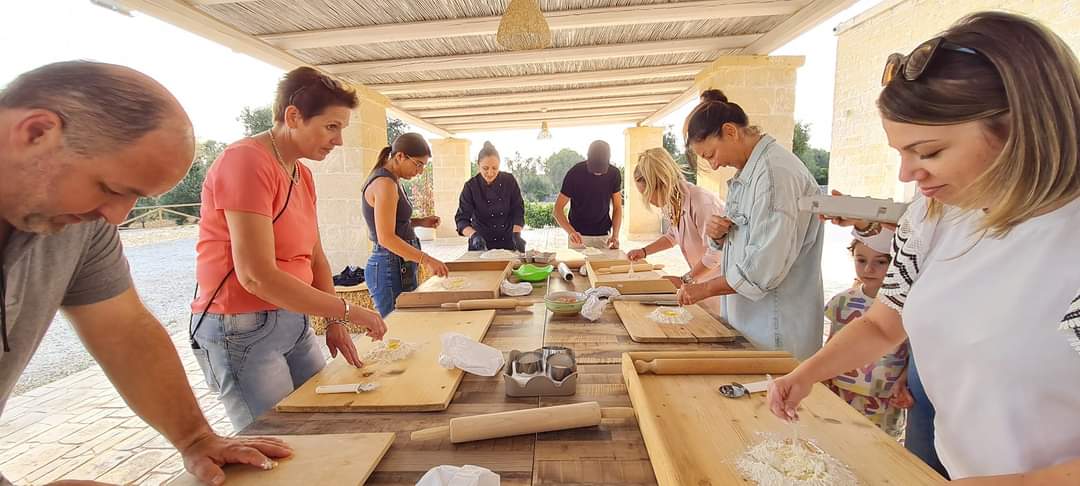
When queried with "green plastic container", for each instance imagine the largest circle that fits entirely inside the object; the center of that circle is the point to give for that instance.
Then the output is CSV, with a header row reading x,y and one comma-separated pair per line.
x,y
533,273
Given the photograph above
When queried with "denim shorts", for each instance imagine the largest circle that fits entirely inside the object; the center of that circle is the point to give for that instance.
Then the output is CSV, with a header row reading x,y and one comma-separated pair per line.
x,y
255,360
387,276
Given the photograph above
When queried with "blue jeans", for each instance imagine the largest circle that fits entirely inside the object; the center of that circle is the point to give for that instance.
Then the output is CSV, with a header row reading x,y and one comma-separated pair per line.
x,y
919,434
256,359
387,276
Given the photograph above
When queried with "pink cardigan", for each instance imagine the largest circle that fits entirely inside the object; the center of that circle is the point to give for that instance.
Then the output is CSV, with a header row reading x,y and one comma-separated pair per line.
x,y
697,206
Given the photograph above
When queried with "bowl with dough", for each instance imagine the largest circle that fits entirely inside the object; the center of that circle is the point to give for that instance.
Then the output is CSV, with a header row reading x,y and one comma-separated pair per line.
x,y
564,302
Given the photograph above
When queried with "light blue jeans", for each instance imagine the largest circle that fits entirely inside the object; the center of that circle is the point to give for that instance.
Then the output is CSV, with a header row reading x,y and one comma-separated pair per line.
x,y
255,360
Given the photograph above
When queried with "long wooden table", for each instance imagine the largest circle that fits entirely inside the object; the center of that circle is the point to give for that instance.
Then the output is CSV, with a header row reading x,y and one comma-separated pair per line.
x,y
613,453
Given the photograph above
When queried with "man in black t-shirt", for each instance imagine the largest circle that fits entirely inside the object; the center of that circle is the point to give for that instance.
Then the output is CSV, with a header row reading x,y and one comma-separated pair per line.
x,y
593,188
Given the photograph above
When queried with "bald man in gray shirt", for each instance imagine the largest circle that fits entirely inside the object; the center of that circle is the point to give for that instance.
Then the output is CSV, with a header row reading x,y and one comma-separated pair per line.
x,y
79,143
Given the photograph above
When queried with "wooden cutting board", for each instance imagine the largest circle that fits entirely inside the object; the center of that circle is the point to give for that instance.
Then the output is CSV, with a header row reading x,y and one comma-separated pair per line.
x,y
651,282
473,280
326,460
415,384
694,435
576,259
702,328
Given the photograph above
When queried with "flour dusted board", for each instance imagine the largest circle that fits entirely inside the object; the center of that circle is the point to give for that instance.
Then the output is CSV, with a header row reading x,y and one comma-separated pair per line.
x,y
467,281
702,328
576,258
325,460
415,384
650,282
694,435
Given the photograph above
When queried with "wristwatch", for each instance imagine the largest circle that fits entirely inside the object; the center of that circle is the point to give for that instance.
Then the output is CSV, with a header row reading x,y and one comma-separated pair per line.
x,y
873,229
687,278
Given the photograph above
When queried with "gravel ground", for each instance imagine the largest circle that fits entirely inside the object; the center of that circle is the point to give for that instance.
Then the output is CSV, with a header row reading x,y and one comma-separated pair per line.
x,y
163,266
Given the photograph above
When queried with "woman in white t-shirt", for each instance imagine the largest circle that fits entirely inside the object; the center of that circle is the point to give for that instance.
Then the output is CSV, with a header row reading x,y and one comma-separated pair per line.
x,y
985,279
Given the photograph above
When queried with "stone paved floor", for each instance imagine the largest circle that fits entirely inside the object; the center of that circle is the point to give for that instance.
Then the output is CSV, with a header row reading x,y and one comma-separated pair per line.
x,y
80,428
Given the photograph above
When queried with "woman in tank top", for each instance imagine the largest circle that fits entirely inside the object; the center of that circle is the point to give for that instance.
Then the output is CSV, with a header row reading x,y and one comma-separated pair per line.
x,y
391,269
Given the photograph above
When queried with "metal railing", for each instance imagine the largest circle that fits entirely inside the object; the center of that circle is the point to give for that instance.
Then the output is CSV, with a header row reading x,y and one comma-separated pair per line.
x,y
159,212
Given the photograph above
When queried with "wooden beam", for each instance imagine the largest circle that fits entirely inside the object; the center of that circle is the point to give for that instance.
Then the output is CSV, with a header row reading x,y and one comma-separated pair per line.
x,y
217,2
560,20
195,21
610,75
535,125
538,96
509,58
192,20
545,105
416,121
805,19
551,115
672,106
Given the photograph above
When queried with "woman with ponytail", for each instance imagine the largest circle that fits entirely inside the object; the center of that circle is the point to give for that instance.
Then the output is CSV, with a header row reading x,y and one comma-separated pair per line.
x,y
391,269
491,212
771,252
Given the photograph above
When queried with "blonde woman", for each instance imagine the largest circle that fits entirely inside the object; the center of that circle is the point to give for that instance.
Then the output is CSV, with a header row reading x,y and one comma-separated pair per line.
x,y
985,280
687,209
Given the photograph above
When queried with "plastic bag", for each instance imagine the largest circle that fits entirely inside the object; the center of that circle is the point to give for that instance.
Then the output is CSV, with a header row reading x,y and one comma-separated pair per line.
x,y
459,351
596,300
467,475
515,289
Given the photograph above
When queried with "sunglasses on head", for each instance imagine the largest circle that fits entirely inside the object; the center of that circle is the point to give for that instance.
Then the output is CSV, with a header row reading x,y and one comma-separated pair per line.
x,y
327,81
912,66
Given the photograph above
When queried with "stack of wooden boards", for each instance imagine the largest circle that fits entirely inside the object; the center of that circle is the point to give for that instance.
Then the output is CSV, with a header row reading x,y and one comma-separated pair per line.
x,y
694,435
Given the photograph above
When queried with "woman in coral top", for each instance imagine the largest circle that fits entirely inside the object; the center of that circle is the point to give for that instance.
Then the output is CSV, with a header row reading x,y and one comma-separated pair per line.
x,y
261,268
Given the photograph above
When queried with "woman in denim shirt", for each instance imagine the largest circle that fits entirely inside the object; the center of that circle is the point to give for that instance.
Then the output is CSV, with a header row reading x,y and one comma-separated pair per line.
x,y
772,252
391,269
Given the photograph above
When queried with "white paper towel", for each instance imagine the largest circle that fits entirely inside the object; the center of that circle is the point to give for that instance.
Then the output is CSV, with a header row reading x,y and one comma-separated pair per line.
x,y
467,475
459,351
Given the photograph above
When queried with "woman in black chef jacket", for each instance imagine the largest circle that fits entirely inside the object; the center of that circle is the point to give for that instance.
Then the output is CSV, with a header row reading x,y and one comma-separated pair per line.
x,y
490,211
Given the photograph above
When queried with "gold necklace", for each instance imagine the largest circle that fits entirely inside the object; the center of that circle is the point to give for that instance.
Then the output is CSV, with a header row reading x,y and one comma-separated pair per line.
x,y
295,175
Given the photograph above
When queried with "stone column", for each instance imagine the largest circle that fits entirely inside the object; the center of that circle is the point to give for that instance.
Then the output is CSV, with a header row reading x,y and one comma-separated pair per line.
x,y
452,159
339,182
640,221
764,86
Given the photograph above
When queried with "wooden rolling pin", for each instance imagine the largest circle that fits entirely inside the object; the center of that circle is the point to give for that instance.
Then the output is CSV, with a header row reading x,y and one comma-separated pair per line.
x,y
638,267
478,304
716,366
518,422
648,298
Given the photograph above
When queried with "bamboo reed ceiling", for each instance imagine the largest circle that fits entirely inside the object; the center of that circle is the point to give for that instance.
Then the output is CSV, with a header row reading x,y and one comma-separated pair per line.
x,y
371,42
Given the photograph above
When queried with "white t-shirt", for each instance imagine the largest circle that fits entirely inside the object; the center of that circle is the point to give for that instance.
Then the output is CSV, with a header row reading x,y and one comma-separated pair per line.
x,y
991,327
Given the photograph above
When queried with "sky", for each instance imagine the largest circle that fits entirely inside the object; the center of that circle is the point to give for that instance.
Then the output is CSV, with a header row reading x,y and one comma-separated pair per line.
x,y
214,83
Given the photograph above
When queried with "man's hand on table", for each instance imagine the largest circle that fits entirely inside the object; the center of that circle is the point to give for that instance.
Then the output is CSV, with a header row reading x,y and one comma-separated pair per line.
x,y
204,457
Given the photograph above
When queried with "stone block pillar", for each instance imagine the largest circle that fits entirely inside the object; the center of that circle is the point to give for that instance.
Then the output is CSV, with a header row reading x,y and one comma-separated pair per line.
x,y
764,86
640,221
451,158
340,178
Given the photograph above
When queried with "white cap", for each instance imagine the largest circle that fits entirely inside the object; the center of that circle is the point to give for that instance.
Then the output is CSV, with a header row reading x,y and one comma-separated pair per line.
x,y
881,242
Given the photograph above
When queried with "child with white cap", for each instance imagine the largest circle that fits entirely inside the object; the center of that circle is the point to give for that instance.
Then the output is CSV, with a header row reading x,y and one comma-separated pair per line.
x,y
879,389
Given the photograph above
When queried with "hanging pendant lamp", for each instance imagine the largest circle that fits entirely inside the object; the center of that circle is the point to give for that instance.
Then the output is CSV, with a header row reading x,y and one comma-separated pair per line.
x,y
523,27
544,134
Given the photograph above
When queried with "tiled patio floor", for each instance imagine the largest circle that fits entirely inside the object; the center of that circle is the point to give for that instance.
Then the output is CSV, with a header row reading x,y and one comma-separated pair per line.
x,y
80,428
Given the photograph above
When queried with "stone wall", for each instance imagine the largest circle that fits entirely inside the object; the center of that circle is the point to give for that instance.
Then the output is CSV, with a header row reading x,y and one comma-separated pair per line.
x,y
339,182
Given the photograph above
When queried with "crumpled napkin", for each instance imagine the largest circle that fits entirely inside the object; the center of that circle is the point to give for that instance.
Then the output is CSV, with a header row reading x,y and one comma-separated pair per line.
x,y
459,351
595,303
467,475
515,289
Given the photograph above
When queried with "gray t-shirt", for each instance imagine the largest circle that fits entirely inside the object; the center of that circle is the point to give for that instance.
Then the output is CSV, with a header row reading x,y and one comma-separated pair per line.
x,y
82,264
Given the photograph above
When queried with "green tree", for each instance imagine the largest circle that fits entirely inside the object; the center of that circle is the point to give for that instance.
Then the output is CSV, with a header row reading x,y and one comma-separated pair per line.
x,y
816,160
256,120
671,144
558,164
535,184
394,129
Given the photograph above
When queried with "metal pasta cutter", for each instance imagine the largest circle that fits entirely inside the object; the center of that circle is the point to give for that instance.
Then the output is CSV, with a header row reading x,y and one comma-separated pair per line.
x,y
738,390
